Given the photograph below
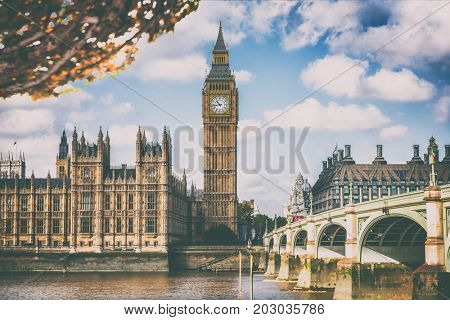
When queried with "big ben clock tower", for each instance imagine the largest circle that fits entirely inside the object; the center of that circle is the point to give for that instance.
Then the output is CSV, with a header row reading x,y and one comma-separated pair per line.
x,y
220,119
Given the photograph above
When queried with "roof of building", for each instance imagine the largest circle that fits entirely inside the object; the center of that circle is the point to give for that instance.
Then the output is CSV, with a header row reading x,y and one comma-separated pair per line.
x,y
389,172
220,43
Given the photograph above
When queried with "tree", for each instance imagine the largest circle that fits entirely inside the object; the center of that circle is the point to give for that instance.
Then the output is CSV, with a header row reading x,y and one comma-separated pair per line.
x,y
219,235
244,214
46,44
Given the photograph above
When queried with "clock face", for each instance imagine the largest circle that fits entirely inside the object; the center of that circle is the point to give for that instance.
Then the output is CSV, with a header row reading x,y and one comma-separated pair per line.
x,y
219,104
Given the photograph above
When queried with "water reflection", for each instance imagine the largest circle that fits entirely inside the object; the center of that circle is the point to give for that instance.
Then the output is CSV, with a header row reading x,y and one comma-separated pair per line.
x,y
174,285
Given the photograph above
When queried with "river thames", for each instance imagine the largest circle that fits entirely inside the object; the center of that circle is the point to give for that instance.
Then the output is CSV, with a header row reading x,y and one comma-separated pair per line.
x,y
173,285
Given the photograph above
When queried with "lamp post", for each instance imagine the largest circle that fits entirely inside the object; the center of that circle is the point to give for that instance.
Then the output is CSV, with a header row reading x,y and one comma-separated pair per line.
x,y
240,271
249,247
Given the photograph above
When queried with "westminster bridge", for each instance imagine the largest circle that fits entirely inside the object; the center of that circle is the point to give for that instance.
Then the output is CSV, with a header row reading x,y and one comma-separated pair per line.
x,y
344,247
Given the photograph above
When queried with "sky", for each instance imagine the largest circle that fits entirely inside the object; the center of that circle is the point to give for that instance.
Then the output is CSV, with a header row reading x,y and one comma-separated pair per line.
x,y
311,75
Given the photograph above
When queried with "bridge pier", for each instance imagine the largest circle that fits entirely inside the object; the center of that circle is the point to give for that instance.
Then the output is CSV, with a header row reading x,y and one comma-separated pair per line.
x,y
372,281
262,265
289,267
431,281
317,273
273,265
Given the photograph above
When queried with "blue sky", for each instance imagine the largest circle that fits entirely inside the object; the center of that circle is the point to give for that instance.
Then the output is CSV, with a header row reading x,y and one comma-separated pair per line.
x,y
281,51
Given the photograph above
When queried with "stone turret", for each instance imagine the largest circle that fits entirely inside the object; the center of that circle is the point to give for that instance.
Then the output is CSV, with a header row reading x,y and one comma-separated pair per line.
x,y
416,159
379,158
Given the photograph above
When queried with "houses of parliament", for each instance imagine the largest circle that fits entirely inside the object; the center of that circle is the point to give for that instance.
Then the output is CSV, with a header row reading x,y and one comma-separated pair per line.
x,y
91,206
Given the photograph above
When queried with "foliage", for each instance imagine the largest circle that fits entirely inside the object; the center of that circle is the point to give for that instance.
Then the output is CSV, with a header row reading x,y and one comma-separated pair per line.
x,y
46,44
244,214
220,234
257,222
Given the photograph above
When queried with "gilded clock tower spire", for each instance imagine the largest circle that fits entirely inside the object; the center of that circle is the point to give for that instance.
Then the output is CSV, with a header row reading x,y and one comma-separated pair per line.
x,y
220,119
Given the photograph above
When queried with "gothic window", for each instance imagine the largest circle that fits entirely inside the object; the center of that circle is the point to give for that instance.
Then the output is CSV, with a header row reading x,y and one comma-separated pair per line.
x,y
119,202
105,225
8,227
107,201
40,203
402,186
24,226
393,188
130,225
118,225
384,188
412,185
130,202
56,226
86,173
8,203
61,171
151,201
374,189
150,225
39,226
86,201
86,225
24,203
151,175
56,203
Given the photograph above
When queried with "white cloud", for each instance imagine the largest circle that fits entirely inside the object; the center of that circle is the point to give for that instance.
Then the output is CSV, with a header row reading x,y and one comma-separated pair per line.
x,y
243,76
414,32
349,79
333,117
178,56
73,99
123,135
40,152
123,108
183,69
21,122
442,109
265,12
318,18
394,132
78,118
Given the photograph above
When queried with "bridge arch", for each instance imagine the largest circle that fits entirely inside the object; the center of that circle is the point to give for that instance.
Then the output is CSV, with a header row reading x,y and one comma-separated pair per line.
x,y
393,238
282,245
331,241
299,242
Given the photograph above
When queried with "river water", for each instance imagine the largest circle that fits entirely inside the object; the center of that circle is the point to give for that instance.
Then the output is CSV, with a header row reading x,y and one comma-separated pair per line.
x,y
173,285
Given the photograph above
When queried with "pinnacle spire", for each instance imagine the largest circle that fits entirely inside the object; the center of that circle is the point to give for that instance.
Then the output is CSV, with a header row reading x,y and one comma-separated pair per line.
x,y
220,43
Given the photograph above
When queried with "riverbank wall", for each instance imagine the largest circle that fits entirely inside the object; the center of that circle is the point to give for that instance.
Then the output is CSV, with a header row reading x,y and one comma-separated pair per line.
x,y
84,262
216,258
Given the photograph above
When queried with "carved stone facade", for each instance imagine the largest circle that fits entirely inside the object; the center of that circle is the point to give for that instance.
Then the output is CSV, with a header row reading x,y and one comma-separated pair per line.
x,y
93,206
220,120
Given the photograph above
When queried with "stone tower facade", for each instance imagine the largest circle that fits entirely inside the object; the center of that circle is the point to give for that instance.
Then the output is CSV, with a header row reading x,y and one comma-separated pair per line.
x,y
220,119
10,167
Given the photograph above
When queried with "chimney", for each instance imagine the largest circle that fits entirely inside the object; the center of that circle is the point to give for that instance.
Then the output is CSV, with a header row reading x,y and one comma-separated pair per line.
x,y
447,153
416,158
379,151
416,150
425,158
324,165
330,162
335,158
348,151
379,158
341,155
